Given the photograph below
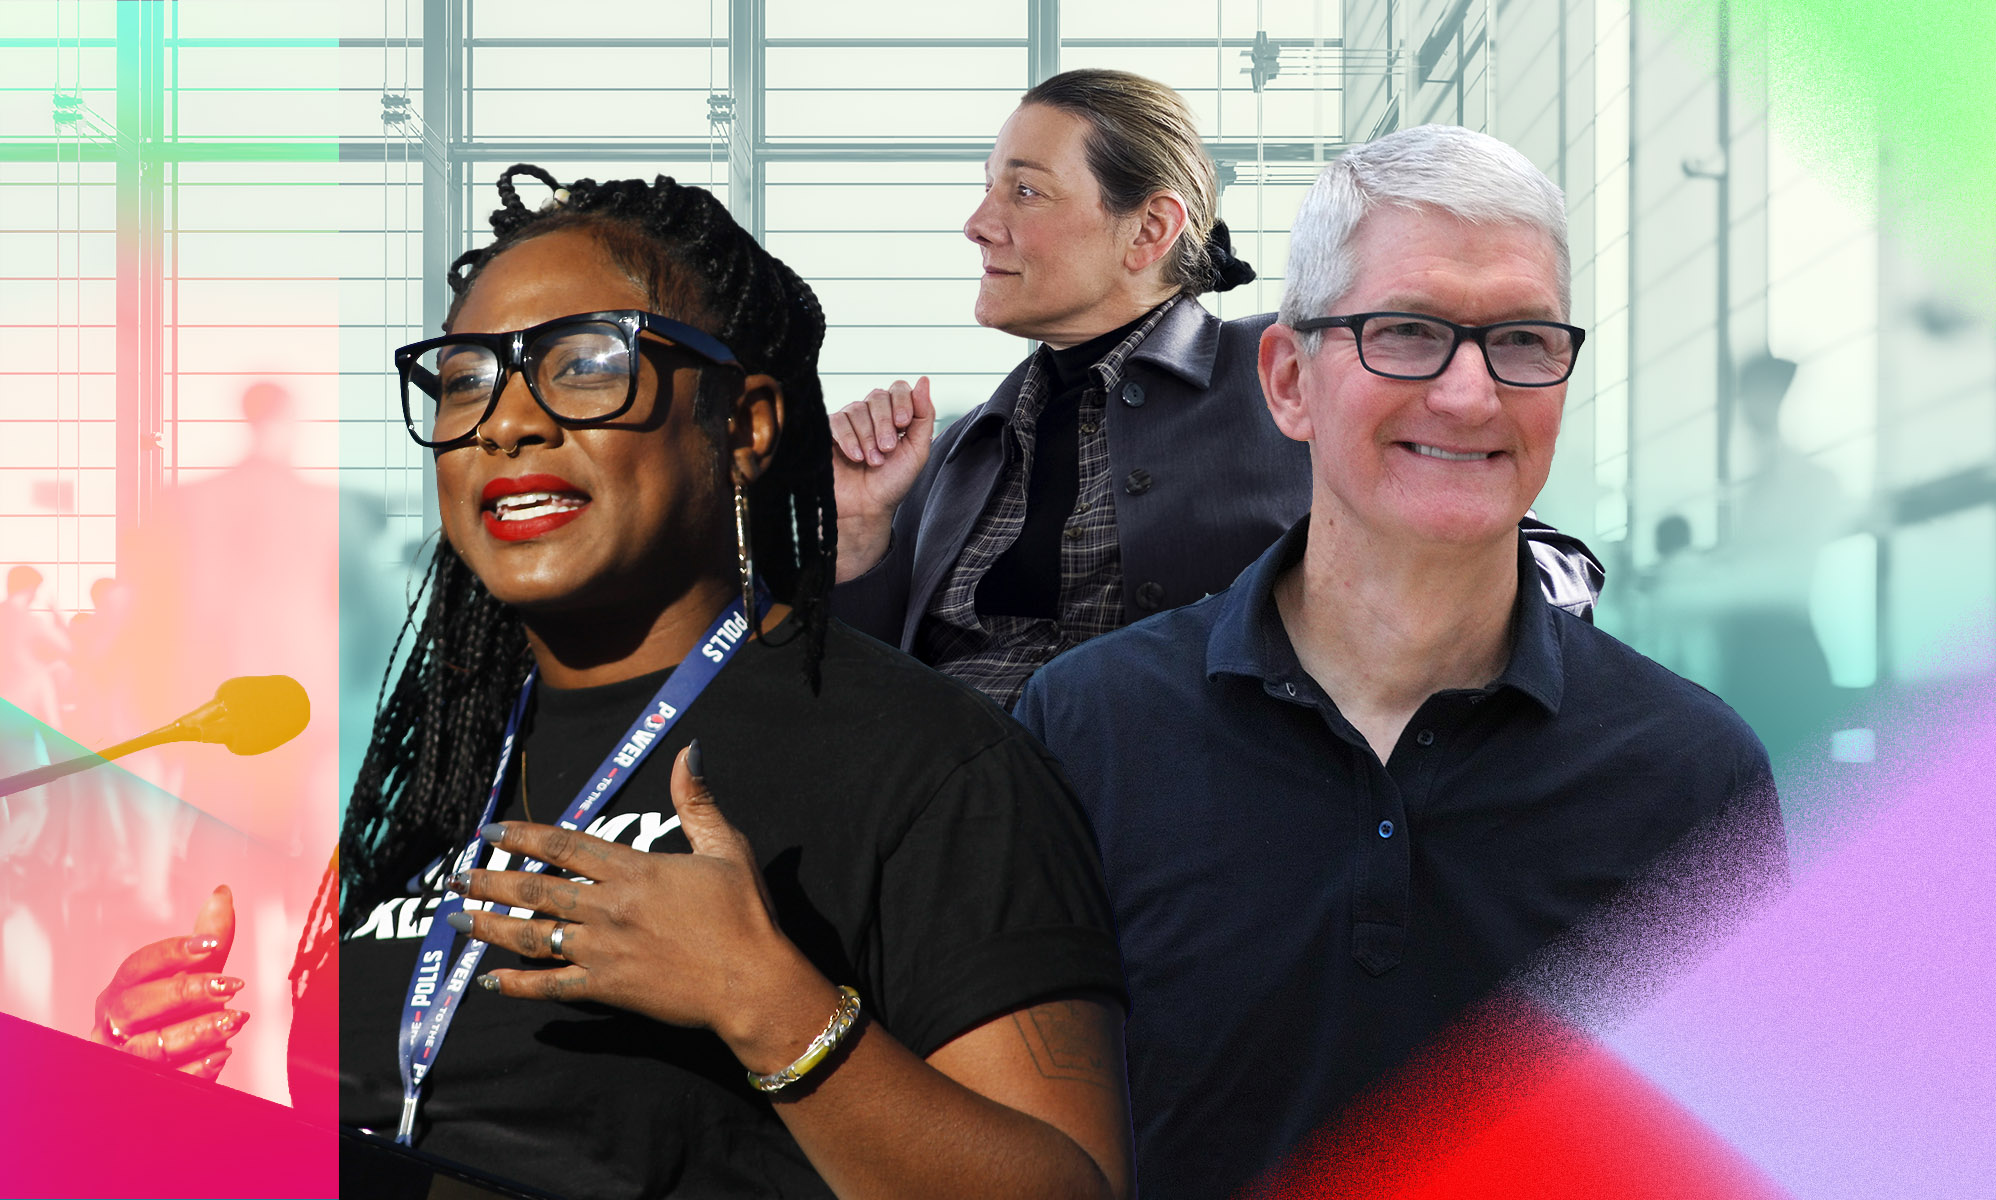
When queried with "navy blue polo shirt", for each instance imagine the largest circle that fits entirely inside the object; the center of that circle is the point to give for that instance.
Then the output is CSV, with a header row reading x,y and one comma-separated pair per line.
x,y
1296,916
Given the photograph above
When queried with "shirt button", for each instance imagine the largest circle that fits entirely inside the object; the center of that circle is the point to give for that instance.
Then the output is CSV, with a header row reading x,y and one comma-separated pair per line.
x,y
1137,482
1083,507
1386,829
1290,688
1073,533
1133,394
1089,427
1424,738
1151,596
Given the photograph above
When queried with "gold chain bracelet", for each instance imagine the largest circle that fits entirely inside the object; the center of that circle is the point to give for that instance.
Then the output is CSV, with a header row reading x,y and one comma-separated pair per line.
x,y
818,1051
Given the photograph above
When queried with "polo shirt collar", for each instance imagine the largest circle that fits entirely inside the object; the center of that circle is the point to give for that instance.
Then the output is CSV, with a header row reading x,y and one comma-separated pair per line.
x,y
1248,637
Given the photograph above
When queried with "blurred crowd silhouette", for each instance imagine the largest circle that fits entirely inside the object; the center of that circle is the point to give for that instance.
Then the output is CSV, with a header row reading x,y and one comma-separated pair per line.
x,y
239,573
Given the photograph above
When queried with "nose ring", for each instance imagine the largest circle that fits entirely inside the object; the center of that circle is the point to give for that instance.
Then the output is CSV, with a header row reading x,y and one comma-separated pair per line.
x,y
488,445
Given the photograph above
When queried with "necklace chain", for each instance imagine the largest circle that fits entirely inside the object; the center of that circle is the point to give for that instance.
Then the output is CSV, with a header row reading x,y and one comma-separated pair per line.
x,y
526,806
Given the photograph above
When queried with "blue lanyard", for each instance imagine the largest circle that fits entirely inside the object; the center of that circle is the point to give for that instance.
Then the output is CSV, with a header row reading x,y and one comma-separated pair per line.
x,y
433,998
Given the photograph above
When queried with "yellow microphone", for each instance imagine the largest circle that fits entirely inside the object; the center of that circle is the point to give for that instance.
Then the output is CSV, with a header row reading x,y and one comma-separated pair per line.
x,y
250,714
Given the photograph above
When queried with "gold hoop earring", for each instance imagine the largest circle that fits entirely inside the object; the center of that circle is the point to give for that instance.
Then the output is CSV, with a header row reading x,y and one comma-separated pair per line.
x,y
745,557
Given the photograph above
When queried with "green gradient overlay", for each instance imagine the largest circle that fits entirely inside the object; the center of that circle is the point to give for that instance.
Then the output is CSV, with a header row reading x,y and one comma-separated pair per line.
x,y
1918,77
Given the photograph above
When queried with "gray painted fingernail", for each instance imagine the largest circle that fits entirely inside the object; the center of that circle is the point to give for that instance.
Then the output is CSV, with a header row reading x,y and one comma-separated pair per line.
x,y
460,921
693,760
489,982
494,833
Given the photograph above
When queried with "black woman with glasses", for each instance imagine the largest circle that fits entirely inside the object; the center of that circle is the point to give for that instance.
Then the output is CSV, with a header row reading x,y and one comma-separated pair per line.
x,y
656,881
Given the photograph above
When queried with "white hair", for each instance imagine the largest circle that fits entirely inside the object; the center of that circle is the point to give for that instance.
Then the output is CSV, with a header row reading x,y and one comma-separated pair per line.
x,y
1469,175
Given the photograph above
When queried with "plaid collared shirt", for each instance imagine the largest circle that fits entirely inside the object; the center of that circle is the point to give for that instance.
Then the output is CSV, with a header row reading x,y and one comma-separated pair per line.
x,y
996,654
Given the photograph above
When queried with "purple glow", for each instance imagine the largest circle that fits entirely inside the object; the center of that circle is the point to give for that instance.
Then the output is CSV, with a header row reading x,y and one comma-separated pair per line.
x,y
1846,1039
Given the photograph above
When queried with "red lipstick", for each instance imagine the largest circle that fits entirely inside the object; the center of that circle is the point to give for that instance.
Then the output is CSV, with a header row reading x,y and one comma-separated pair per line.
x,y
530,506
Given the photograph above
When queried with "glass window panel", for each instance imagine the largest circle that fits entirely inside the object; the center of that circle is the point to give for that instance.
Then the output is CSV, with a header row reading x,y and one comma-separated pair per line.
x,y
587,69
972,113
1943,632
914,67
904,303
27,443
889,20
60,204
238,256
1283,114
951,170
36,397
257,68
41,69
866,255
96,255
1203,19
888,207
27,301
287,349
63,19
25,113
29,539
600,116
535,19
245,19
260,115
32,348
204,208
969,348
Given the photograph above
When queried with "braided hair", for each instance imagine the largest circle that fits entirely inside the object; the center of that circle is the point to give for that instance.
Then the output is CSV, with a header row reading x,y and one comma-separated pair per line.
x,y
439,722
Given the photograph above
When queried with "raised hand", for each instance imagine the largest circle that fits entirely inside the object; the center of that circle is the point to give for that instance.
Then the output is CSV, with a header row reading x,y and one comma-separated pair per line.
x,y
166,1004
689,939
879,446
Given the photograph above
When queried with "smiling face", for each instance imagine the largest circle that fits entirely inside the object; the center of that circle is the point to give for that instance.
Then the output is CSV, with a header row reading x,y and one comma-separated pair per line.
x,y
620,516
1455,459
1054,257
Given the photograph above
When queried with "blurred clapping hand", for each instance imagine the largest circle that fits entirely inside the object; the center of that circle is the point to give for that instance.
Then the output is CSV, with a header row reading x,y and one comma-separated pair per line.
x,y
166,1003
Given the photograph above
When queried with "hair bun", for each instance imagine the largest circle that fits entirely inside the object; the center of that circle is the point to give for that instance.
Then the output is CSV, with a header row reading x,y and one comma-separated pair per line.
x,y
1228,272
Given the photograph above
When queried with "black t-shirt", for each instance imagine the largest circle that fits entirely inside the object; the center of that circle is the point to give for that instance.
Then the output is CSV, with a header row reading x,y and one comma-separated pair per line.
x,y
918,845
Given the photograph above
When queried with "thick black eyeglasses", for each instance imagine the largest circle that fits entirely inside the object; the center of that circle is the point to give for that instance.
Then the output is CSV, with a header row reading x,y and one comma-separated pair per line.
x,y
582,370
1401,345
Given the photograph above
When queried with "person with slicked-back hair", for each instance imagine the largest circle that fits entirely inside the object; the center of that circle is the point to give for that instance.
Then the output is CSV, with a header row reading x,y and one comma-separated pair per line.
x,y
1128,466
656,880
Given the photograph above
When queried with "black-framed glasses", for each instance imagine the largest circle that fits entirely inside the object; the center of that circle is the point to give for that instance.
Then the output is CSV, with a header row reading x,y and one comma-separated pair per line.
x,y
582,370
1403,345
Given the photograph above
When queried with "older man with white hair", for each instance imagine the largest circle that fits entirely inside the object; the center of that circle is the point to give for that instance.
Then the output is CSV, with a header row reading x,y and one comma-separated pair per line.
x,y
1345,798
